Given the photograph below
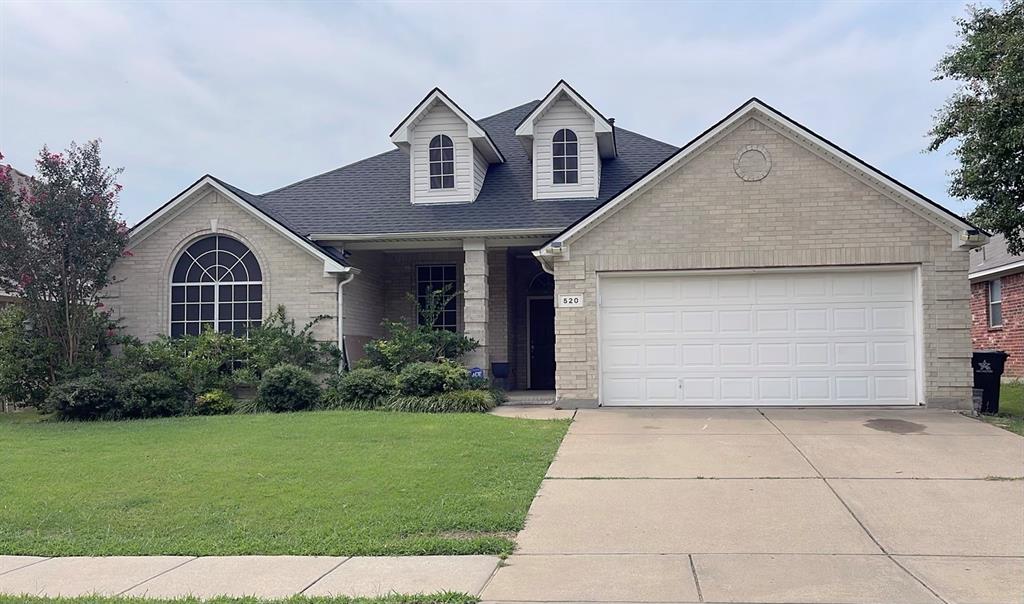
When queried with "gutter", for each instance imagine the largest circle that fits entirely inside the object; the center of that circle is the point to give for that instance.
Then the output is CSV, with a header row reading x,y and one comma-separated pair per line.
x,y
342,280
998,270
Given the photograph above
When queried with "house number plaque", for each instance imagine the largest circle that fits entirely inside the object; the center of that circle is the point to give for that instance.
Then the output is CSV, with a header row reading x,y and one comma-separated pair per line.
x,y
573,301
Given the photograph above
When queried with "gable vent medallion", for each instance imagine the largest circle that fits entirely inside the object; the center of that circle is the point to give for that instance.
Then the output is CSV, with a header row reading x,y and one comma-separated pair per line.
x,y
752,163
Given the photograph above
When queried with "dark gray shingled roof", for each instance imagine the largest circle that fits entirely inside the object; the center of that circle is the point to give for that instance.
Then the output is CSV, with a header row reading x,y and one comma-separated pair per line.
x,y
372,196
992,255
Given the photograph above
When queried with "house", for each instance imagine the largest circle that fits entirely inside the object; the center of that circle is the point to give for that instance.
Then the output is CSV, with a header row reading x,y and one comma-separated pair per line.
x,y
757,264
997,303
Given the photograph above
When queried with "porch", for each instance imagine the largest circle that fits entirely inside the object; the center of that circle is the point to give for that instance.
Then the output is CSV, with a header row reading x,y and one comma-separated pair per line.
x,y
505,302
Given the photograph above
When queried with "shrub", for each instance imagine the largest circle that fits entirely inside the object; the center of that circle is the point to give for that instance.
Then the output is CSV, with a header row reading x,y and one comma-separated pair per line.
x,y
405,345
89,397
152,394
215,402
278,341
362,388
288,387
457,401
24,360
425,379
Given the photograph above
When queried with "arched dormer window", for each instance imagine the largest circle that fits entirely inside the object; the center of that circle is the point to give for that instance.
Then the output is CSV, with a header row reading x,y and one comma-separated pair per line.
x,y
565,158
442,162
216,284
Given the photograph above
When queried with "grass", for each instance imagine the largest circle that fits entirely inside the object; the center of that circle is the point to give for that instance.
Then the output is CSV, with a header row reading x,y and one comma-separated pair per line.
x,y
1011,409
443,598
316,483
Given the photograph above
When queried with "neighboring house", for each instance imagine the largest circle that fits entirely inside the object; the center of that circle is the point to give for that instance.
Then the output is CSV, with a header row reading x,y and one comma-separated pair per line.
x,y
19,180
758,264
997,303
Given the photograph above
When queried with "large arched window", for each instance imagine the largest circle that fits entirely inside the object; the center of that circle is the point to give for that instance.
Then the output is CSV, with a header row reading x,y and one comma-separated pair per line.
x,y
442,162
216,284
565,158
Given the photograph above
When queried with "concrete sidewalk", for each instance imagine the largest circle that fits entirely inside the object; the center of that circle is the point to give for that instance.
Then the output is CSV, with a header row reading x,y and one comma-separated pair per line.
x,y
774,506
262,576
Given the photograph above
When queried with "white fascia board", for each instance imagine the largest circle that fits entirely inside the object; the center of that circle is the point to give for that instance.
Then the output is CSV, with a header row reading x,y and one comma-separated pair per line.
x,y
948,222
152,223
997,271
433,234
601,125
481,140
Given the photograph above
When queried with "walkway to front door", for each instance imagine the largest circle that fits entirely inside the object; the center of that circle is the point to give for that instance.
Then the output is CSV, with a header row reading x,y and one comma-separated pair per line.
x,y
784,505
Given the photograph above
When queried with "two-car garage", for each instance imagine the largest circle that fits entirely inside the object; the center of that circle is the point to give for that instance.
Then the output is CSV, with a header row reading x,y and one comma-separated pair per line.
x,y
799,337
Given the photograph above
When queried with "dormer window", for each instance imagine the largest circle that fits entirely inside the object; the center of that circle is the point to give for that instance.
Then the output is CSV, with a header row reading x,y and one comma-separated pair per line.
x,y
565,157
442,162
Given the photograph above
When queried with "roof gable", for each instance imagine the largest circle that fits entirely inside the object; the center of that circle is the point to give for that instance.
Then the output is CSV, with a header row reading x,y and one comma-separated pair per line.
x,y
604,128
333,263
962,231
400,136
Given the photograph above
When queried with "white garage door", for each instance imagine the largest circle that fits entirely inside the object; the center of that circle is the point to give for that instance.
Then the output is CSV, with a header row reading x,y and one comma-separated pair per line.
x,y
769,338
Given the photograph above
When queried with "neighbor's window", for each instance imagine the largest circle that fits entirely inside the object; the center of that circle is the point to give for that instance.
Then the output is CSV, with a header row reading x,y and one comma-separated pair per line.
x,y
217,284
439,277
442,162
565,158
995,303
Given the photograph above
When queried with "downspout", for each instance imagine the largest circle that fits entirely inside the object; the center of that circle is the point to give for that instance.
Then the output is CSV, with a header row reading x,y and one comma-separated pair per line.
x,y
342,280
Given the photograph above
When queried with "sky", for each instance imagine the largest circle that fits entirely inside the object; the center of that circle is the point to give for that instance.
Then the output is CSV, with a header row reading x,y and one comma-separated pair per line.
x,y
263,94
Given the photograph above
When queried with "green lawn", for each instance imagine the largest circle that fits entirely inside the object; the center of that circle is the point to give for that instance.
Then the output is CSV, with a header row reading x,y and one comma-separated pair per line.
x,y
448,598
329,483
1011,409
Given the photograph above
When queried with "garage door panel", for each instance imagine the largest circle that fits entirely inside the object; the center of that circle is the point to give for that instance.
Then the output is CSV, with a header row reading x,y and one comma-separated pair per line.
x,y
658,322
735,322
797,338
698,322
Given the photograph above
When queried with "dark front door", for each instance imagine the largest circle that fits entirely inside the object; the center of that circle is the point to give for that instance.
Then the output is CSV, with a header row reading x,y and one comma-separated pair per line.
x,y
542,343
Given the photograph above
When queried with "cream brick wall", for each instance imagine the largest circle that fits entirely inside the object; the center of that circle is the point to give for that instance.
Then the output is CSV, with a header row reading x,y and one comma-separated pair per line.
x,y
807,212
399,270
364,300
291,276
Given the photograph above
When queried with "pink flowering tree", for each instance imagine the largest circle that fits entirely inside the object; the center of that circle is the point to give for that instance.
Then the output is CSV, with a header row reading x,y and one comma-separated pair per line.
x,y
60,234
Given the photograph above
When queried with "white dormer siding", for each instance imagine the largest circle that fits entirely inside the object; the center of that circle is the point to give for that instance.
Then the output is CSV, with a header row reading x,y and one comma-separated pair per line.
x,y
480,166
473,150
439,119
564,113
564,108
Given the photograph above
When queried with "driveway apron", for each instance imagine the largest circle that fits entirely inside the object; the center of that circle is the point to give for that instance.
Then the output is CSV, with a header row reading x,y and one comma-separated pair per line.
x,y
774,505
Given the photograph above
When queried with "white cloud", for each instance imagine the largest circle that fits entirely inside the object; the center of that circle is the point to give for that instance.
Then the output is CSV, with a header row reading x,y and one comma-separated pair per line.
x,y
264,94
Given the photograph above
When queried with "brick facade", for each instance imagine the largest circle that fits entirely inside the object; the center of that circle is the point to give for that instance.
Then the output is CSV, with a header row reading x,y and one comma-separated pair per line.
x,y
806,212
292,277
1008,338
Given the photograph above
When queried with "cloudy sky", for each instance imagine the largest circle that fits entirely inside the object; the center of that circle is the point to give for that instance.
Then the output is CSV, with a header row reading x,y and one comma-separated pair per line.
x,y
264,94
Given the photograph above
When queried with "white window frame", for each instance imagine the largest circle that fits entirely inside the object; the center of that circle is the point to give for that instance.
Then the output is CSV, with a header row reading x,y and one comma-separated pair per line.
x,y
216,285
565,171
995,284
442,139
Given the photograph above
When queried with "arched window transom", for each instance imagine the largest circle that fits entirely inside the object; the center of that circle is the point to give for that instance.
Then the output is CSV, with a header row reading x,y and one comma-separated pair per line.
x,y
217,284
442,162
565,158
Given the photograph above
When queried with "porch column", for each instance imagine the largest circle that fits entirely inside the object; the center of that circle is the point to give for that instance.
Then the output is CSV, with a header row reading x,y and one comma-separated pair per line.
x,y
474,295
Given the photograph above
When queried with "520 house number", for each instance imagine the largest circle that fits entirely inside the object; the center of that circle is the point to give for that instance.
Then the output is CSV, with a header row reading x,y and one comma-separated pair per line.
x,y
570,301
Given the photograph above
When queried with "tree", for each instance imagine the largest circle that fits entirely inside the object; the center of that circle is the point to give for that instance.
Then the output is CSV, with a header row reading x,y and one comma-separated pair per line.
x,y
985,117
60,234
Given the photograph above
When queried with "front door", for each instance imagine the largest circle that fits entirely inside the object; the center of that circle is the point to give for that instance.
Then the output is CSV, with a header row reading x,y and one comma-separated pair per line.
x,y
542,343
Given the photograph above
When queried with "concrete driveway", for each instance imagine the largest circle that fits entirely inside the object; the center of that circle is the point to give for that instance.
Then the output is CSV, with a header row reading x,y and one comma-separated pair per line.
x,y
793,505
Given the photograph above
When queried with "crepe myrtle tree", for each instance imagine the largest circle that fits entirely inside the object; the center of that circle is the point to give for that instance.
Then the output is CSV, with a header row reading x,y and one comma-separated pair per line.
x,y
60,234
985,117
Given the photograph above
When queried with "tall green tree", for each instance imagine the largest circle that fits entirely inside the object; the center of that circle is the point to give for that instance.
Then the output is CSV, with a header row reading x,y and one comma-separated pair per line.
x,y
985,117
60,234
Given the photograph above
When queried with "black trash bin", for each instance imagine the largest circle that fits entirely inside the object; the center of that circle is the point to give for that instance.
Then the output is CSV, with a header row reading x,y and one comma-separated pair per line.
x,y
988,368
